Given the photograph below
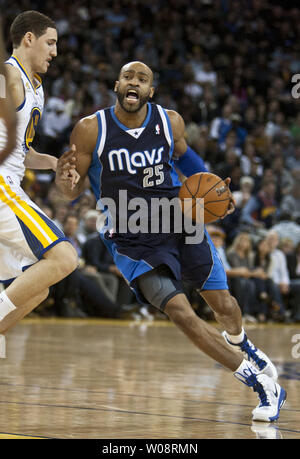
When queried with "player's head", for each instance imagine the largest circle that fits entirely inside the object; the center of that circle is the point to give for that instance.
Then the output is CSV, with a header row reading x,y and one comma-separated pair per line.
x,y
134,86
37,35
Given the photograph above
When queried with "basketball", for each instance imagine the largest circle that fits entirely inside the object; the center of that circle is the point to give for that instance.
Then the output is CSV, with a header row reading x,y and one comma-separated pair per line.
x,y
209,187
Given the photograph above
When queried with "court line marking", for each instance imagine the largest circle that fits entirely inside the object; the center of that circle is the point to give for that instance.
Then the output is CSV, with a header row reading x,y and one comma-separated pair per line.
x,y
121,394
22,436
117,410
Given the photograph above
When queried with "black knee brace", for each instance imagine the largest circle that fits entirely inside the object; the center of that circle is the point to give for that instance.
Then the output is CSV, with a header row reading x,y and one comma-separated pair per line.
x,y
159,286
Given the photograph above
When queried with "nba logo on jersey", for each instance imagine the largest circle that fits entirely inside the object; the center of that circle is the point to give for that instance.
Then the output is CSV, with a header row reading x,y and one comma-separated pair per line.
x,y
157,129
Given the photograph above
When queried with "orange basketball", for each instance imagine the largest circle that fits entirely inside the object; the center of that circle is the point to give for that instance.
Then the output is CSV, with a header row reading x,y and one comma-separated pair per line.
x,y
212,189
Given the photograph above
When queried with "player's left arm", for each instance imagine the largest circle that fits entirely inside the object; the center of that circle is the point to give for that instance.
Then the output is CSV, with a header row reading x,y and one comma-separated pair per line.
x,y
35,160
187,160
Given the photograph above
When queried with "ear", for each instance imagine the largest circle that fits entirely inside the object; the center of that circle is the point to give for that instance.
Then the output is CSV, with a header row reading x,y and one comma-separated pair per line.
x,y
152,90
116,86
28,38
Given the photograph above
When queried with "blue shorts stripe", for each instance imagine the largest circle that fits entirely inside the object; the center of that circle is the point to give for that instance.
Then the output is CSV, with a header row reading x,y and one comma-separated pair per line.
x,y
217,279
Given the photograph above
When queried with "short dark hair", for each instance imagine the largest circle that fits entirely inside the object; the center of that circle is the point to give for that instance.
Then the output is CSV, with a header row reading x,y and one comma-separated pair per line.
x,y
29,21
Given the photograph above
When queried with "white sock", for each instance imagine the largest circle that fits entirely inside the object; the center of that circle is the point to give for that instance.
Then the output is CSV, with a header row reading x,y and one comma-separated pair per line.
x,y
6,306
2,347
235,339
245,369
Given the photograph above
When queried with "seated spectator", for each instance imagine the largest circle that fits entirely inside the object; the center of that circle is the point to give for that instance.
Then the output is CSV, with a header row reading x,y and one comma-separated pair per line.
x,y
242,196
261,209
238,273
293,263
221,124
290,205
286,226
89,225
99,260
240,257
293,161
70,228
268,292
55,121
78,295
280,275
282,176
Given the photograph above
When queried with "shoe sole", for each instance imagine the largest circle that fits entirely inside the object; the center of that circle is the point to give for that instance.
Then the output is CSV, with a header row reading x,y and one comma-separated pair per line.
x,y
281,402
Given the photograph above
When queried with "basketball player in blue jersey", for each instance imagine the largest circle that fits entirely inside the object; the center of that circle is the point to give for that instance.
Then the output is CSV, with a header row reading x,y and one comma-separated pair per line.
x,y
34,253
131,148
7,113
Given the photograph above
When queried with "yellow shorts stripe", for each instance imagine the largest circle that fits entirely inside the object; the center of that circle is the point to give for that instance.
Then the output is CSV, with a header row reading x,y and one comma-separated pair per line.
x,y
27,215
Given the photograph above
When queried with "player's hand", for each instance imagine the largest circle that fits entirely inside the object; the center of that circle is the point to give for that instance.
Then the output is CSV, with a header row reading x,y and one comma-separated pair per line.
x,y
231,207
66,168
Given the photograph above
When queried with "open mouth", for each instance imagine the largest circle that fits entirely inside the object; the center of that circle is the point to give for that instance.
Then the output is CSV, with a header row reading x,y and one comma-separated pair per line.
x,y
132,95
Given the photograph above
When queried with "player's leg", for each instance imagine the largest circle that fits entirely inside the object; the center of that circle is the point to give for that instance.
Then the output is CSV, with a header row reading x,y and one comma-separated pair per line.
x,y
19,313
15,316
28,239
158,287
225,308
58,263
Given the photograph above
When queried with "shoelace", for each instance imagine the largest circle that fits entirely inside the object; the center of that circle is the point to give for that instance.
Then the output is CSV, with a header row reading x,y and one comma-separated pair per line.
x,y
246,347
262,394
250,380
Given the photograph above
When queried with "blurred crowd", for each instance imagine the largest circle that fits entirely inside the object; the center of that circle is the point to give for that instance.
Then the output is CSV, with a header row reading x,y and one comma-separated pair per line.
x,y
227,67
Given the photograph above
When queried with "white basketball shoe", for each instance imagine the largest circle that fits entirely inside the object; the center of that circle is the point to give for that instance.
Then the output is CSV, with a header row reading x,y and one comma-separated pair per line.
x,y
271,395
254,355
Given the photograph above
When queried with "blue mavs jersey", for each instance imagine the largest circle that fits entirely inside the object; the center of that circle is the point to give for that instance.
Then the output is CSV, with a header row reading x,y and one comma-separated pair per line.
x,y
131,163
137,163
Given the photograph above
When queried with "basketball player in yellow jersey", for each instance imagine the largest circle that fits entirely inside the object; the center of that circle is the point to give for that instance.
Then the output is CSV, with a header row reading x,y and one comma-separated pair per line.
x,y
34,253
7,113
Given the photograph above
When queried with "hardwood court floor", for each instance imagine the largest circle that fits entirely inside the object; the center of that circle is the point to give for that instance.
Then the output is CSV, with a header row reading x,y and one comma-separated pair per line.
x,y
112,379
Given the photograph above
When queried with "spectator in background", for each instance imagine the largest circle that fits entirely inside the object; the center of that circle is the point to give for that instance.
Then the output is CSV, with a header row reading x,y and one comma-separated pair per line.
x,y
293,262
268,292
55,121
237,269
70,228
280,275
293,161
261,209
192,48
290,204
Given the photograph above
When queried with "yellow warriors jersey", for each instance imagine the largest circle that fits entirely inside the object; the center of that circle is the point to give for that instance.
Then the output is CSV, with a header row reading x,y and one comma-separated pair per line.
x,y
28,116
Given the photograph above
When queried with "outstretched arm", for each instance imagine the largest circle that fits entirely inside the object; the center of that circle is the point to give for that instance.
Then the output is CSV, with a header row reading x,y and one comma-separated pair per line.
x,y
83,141
35,160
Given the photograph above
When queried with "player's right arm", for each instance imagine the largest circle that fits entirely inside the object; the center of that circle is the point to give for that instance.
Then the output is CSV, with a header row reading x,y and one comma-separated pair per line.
x,y
7,112
78,158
